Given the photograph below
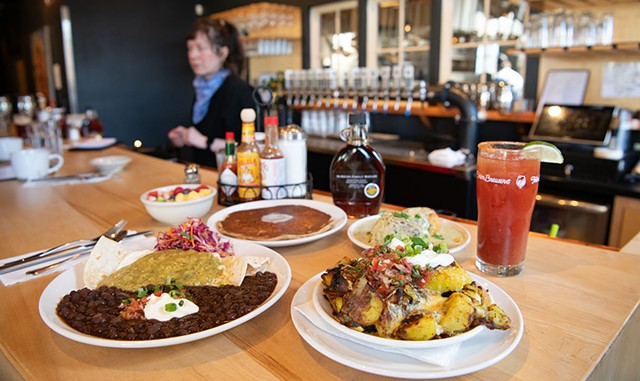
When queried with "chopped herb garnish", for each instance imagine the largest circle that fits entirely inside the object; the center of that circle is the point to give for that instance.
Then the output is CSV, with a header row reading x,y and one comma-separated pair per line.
x,y
438,236
186,235
181,303
401,215
142,292
170,307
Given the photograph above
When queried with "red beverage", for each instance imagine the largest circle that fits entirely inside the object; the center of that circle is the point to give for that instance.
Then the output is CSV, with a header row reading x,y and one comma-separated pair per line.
x,y
506,187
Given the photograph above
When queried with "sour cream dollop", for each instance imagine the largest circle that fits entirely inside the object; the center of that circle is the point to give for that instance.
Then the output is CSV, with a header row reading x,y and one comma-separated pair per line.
x,y
426,257
156,307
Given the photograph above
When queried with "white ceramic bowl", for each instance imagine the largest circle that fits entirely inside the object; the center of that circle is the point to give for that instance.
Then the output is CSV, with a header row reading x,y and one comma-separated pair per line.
x,y
108,165
175,212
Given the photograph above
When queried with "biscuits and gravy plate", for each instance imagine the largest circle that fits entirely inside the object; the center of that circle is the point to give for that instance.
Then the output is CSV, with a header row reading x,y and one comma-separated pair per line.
x,y
456,236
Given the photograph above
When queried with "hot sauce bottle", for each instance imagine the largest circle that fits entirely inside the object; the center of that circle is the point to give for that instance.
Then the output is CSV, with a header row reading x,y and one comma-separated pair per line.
x,y
357,172
228,194
248,159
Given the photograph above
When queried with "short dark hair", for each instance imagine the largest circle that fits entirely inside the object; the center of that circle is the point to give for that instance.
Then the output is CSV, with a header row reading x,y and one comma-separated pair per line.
x,y
221,33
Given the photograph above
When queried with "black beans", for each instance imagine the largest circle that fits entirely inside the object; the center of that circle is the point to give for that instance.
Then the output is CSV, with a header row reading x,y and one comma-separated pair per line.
x,y
97,312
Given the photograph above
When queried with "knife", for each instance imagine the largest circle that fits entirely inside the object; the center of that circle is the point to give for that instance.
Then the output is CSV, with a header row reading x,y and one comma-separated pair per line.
x,y
79,176
13,265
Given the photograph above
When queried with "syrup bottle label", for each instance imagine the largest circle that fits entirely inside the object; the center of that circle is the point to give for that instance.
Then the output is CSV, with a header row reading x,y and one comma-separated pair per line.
x,y
366,184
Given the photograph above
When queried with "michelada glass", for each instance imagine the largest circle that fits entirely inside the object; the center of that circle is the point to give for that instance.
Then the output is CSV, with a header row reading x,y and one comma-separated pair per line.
x,y
506,186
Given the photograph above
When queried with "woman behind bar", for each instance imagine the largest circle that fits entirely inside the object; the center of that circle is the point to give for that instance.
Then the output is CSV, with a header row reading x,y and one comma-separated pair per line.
x,y
217,59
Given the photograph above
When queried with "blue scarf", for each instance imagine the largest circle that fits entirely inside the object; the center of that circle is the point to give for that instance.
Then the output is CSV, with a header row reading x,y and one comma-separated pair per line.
x,y
204,90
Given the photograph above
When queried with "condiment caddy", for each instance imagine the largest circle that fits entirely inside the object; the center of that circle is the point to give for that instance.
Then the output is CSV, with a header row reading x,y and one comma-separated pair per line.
x,y
276,171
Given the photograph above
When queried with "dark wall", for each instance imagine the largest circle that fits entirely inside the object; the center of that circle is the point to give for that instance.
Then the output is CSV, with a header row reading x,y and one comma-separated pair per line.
x,y
131,65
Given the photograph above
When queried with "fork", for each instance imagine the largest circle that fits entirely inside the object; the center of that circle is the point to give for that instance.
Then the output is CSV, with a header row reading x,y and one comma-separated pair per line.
x,y
116,237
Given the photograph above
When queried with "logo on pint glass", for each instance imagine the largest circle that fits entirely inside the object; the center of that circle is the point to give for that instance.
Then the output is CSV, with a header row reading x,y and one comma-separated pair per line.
x,y
521,181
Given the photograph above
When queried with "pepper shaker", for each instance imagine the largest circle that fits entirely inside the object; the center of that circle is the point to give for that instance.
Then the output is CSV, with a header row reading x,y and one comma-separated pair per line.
x,y
192,174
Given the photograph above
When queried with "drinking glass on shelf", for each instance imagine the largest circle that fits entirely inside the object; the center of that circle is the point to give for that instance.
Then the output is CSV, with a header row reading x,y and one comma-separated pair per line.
x,y
506,187
586,27
605,27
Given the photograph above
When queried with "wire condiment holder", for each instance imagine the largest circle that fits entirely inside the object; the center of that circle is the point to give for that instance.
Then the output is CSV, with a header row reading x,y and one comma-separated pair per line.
x,y
272,192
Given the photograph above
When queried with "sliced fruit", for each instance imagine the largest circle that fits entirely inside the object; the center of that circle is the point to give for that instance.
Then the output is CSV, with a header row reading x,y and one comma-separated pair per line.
x,y
547,152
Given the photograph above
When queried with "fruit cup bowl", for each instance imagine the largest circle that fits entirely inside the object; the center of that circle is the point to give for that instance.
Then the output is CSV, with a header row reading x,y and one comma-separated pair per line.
x,y
173,204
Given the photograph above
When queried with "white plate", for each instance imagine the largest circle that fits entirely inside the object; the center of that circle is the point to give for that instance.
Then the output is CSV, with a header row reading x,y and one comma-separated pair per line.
x,y
324,310
110,164
72,279
94,143
479,352
448,228
338,215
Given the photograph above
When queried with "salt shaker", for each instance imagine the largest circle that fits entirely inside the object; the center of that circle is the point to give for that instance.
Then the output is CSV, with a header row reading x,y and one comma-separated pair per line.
x,y
292,141
192,174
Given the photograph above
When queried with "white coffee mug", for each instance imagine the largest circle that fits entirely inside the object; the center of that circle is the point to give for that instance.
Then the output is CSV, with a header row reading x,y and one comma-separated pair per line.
x,y
34,163
8,145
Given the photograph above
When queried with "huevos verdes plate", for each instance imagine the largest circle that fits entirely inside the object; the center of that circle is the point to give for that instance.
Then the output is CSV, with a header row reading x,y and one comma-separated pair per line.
x,y
72,279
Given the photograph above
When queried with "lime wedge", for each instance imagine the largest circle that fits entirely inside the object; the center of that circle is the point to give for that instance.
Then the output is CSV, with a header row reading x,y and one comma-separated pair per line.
x,y
547,152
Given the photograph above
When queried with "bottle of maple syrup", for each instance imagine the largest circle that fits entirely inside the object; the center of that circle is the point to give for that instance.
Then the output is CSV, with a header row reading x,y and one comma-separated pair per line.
x,y
248,159
357,172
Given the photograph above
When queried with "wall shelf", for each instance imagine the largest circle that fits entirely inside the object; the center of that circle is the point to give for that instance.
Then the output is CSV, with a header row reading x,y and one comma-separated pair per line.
x,y
618,47
437,111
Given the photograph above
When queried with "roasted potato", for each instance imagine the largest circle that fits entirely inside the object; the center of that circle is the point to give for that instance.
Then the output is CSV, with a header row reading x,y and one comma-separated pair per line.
x,y
359,308
418,326
448,278
496,318
459,314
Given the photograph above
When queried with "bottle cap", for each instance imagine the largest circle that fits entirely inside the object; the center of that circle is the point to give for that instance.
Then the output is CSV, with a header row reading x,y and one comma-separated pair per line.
x,y
248,115
271,120
359,118
229,135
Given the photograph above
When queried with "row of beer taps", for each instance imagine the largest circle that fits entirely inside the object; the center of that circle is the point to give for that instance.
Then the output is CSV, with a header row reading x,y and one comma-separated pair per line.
x,y
361,88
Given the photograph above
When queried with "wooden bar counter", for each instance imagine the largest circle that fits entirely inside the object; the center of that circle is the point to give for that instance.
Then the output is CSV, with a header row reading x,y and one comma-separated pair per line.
x,y
579,302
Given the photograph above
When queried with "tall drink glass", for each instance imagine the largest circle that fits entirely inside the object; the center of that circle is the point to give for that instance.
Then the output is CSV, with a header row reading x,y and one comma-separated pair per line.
x,y
506,187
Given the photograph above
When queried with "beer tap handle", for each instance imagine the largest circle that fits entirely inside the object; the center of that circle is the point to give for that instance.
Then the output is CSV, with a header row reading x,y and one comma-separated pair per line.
x,y
385,105
303,101
422,92
336,98
365,102
296,99
374,107
396,104
407,110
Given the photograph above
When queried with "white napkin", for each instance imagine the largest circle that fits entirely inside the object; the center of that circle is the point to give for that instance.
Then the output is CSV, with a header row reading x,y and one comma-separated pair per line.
x,y
20,274
441,356
446,157
7,173
52,181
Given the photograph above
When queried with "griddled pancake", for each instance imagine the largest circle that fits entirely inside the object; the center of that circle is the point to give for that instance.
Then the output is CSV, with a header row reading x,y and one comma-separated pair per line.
x,y
275,223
